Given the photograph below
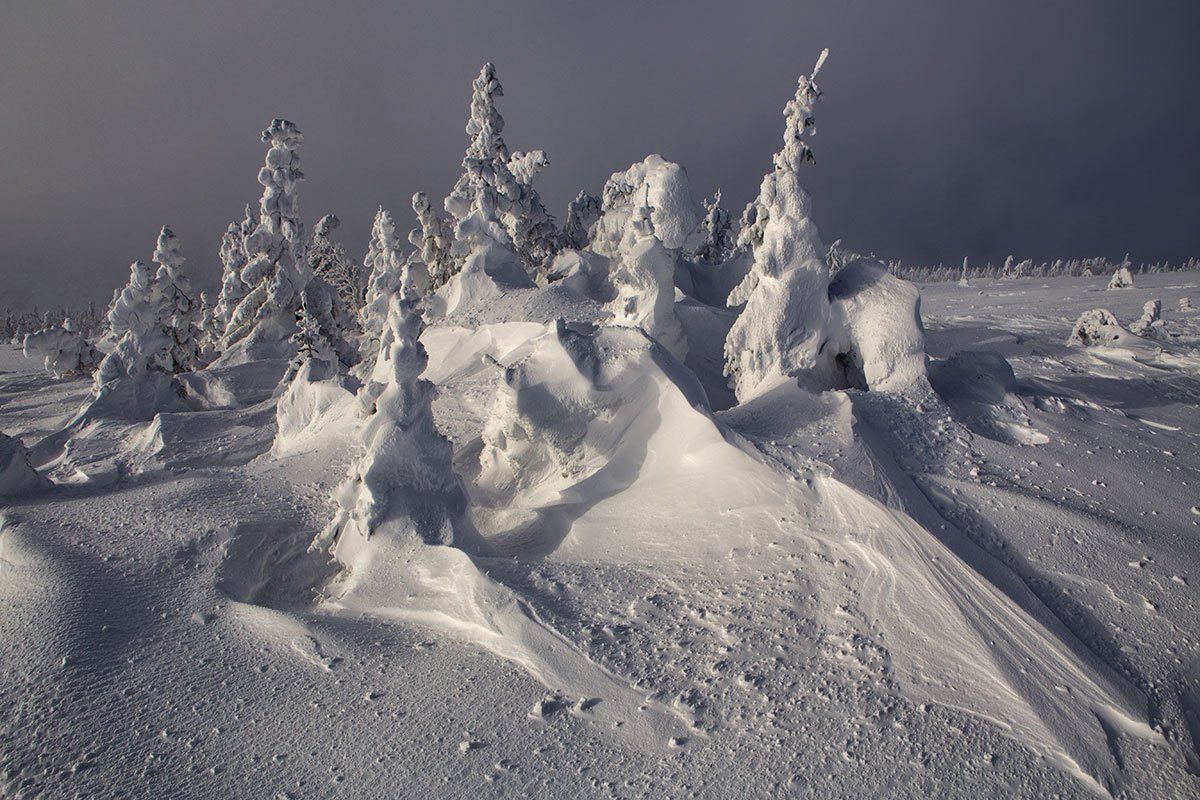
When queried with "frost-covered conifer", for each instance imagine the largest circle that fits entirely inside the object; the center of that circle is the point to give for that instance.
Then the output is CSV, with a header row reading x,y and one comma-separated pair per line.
x,y
434,239
404,484
177,307
644,278
1150,324
494,196
717,227
328,260
233,260
964,278
784,328
582,213
1122,278
132,308
264,321
386,268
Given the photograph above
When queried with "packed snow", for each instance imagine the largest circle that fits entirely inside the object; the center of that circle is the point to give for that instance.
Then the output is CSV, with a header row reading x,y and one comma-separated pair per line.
x,y
651,505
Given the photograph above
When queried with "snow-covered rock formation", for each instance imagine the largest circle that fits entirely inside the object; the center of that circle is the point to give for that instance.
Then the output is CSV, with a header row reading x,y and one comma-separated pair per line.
x,y
784,331
883,341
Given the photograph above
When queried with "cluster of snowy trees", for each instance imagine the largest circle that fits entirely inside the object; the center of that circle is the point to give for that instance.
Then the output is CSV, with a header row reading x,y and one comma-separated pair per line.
x,y
15,325
1012,269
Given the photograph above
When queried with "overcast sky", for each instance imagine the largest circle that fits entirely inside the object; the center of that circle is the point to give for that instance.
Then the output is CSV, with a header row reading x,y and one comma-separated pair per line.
x,y
955,128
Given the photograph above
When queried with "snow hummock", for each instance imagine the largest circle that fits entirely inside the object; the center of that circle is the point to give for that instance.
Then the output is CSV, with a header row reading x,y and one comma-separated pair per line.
x,y
17,475
1098,328
884,341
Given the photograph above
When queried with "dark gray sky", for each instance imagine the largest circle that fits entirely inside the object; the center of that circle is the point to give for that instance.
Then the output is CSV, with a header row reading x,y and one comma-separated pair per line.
x,y
950,128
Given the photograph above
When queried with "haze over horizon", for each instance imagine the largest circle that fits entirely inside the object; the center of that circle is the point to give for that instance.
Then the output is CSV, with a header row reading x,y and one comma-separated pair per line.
x,y
956,129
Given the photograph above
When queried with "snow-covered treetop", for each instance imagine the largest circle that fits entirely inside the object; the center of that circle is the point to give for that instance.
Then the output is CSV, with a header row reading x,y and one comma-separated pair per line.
x,y
582,212
800,122
485,124
526,167
279,208
326,225
166,251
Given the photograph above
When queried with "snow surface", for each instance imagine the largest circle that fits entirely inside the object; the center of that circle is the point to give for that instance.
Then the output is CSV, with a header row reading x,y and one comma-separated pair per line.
x,y
977,585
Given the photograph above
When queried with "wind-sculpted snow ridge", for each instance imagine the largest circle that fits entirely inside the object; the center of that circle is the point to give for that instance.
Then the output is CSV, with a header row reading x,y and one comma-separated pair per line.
x,y
17,475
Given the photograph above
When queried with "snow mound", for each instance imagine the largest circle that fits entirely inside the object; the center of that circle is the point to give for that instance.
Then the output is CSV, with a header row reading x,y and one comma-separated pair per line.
x,y
1098,328
488,274
64,350
981,389
315,403
17,475
884,340
579,418
233,385
675,212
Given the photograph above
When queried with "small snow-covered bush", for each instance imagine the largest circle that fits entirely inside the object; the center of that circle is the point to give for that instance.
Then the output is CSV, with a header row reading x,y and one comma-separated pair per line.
x,y
64,350
1122,278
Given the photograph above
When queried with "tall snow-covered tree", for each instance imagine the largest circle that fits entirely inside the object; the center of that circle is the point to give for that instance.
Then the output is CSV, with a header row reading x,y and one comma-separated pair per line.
x,y
495,189
783,330
178,307
264,321
132,307
717,226
386,267
582,213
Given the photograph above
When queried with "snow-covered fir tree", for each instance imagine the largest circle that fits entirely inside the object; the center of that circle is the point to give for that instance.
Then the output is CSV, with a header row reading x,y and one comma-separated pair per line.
x,y
328,260
784,327
433,239
233,260
385,265
964,277
178,307
717,227
496,187
582,213
404,484
264,321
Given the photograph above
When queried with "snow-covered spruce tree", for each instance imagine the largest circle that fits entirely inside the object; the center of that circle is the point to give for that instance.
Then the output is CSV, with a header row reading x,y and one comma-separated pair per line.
x,y
783,330
262,324
717,225
488,188
644,278
433,238
178,308
963,277
233,260
1150,324
531,226
312,345
328,260
404,484
582,213
390,275
131,308
64,350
